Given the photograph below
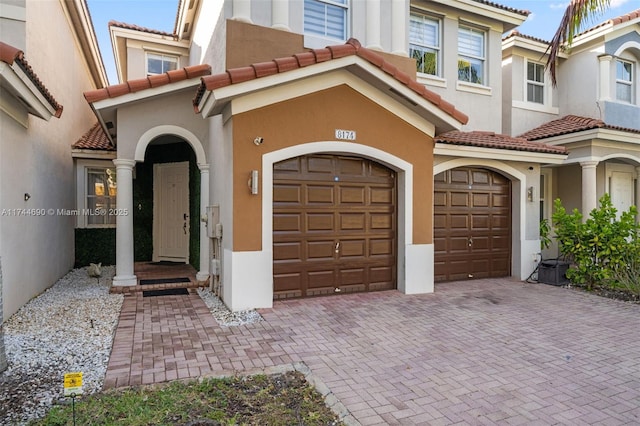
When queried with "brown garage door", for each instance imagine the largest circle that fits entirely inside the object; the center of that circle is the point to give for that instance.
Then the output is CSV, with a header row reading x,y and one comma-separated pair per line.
x,y
334,226
472,224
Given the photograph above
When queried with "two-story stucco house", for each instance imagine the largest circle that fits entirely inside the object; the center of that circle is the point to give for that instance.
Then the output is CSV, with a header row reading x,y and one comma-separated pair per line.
x,y
39,75
594,112
294,149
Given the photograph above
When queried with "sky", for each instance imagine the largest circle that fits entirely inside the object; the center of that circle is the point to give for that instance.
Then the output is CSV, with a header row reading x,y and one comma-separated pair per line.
x,y
161,14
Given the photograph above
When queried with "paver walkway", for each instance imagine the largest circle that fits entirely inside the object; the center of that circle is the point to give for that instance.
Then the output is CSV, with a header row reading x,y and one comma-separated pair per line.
x,y
476,352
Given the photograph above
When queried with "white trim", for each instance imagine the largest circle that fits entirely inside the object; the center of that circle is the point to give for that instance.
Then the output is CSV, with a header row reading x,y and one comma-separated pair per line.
x,y
445,149
146,94
81,189
169,129
13,12
480,89
532,106
19,82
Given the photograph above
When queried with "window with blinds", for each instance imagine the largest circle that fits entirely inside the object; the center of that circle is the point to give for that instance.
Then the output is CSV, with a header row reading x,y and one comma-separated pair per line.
x,y
624,81
471,55
326,18
535,82
424,43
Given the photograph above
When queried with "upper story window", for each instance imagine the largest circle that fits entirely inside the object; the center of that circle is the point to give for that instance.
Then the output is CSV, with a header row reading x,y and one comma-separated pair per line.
x,y
471,55
624,81
424,43
326,18
535,82
159,64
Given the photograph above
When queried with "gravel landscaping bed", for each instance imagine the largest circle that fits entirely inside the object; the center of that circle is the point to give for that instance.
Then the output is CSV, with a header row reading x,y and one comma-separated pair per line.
x,y
70,328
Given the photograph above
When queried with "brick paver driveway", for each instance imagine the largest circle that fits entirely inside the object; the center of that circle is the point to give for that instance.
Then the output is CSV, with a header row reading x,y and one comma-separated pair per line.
x,y
477,352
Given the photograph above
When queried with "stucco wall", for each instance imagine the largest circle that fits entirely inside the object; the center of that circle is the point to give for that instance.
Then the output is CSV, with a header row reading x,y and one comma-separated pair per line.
x,y
37,250
314,118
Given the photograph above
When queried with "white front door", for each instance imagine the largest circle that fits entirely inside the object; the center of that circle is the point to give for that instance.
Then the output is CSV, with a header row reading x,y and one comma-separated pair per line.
x,y
171,212
621,190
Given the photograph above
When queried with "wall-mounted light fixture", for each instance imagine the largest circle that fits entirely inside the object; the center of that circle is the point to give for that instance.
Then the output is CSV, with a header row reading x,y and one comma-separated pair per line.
x,y
27,196
253,182
258,140
531,194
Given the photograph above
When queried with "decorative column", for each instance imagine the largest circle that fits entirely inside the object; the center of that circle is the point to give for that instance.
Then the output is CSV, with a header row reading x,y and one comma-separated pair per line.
x,y
242,11
124,224
399,34
589,195
203,273
605,77
373,24
280,15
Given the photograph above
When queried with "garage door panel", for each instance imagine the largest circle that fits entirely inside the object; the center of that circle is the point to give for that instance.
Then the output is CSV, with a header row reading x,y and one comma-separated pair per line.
x,y
320,221
481,243
287,251
288,283
352,221
458,244
500,222
351,166
502,243
317,194
381,221
287,222
287,194
321,279
480,177
500,200
439,221
384,196
320,250
481,200
352,248
356,276
354,195
381,247
459,199
293,165
459,176
319,164
459,221
439,199
480,222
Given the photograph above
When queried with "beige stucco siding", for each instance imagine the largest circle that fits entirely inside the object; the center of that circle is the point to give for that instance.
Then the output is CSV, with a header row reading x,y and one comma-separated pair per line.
x,y
315,118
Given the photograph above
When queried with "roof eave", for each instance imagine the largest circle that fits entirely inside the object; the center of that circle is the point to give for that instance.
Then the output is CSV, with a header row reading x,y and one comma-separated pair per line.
x,y
33,100
214,102
455,150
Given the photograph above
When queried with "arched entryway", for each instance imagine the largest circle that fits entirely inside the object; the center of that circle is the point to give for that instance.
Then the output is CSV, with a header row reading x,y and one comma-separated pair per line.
x,y
334,226
472,224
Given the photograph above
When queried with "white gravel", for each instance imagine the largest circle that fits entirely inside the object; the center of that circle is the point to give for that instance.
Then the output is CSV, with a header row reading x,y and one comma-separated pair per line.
x,y
69,328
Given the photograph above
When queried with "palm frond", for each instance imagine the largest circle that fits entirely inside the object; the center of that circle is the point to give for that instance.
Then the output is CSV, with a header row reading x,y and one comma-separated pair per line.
x,y
578,12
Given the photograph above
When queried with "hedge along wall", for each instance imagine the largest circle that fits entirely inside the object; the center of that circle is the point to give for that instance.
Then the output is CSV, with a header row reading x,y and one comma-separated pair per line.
x,y
95,245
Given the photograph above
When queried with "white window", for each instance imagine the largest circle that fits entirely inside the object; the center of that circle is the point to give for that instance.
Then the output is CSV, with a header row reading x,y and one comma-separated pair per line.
x,y
326,18
535,82
624,81
471,55
159,64
96,194
424,43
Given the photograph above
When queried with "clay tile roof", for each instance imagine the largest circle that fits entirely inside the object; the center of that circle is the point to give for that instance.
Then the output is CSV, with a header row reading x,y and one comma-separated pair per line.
x,y
137,85
570,124
138,28
614,21
516,33
494,140
507,8
352,47
95,138
11,55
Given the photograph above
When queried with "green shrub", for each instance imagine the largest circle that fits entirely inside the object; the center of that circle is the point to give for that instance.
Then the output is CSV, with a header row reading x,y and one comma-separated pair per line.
x,y
598,246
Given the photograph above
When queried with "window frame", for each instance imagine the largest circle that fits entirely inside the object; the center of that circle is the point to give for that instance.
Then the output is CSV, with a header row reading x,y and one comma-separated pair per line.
x,y
84,167
437,48
316,39
483,58
542,84
162,58
628,83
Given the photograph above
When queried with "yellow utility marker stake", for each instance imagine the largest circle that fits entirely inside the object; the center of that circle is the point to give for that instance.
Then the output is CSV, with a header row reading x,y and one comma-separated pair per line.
x,y
73,388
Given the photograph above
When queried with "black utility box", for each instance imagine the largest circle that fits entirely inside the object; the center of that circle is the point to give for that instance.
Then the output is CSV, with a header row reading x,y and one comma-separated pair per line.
x,y
553,272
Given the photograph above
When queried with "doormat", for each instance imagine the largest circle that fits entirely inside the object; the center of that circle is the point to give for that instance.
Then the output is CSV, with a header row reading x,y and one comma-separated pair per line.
x,y
165,281
167,292
167,263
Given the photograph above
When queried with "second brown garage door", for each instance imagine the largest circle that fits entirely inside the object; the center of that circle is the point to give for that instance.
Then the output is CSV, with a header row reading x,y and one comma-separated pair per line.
x,y
472,224
334,226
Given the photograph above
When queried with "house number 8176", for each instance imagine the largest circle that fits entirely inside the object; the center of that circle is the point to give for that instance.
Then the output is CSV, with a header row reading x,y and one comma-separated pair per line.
x,y
347,135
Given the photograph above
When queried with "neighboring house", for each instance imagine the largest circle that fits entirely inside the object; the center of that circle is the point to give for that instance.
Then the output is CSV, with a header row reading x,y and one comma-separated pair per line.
x,y
48,57
293,149
594,112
